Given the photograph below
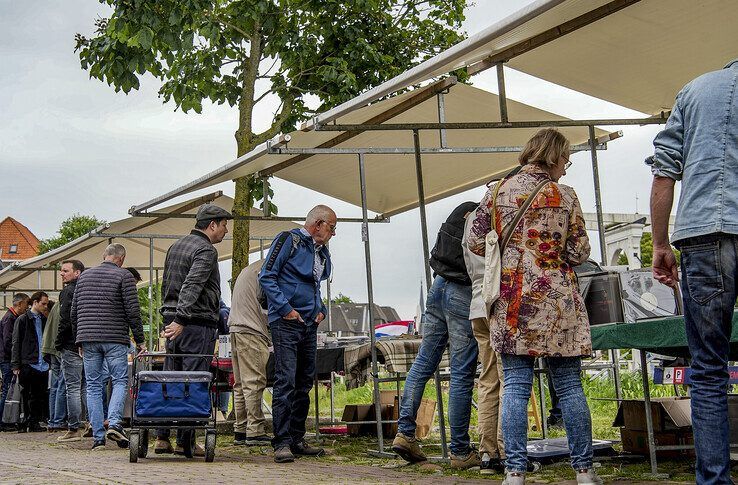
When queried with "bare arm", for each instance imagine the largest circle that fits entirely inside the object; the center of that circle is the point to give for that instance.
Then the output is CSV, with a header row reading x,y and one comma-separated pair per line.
x,y
664,262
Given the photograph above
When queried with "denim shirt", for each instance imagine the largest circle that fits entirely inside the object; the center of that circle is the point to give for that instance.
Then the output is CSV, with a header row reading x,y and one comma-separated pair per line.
x,y
41,365
699,146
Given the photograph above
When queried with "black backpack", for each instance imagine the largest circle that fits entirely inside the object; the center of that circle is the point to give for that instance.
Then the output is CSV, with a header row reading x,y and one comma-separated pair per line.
x,y
281,239
447,256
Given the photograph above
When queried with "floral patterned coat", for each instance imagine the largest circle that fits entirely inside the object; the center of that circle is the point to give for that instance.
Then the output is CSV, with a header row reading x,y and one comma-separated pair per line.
x,y
540,311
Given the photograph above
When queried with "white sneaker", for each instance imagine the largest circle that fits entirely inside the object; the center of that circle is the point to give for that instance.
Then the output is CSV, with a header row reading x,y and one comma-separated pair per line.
x,y
514,478
588,477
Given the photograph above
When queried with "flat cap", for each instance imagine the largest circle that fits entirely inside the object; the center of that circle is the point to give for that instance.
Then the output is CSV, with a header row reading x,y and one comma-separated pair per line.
x,y
208,212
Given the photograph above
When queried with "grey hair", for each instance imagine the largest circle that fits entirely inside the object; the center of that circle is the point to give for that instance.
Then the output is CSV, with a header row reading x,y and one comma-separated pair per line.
x,y
19,297
319,213
116,250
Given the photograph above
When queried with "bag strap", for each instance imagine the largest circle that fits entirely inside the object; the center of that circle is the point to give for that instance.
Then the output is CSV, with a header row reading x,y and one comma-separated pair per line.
x,y
523,208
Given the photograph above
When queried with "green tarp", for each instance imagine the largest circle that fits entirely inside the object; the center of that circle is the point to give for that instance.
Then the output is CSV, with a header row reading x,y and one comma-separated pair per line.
x,y
663,336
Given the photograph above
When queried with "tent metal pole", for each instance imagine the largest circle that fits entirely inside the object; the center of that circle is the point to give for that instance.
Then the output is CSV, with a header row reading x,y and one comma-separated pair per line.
x,y
649,417
598,198
151,293
370,296
261,250
601,145
442,119
501,89
493,125
428,280
265,189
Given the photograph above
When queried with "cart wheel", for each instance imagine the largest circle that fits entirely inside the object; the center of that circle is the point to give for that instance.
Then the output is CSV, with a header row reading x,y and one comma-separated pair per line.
x,y
133,444
188,443
210,436
143,444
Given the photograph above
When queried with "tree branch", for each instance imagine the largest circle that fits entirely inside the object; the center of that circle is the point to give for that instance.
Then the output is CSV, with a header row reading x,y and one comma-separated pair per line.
x,y
276,126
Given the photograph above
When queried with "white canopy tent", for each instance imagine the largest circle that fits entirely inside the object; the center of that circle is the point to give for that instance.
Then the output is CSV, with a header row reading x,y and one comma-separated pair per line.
x,y
146,239
391,173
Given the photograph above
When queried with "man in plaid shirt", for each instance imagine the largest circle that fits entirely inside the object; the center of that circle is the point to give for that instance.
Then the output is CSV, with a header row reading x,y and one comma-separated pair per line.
x,y
191,302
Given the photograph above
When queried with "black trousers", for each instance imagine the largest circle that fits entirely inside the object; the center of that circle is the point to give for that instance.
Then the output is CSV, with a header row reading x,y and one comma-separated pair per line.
x,y
194,339
34,391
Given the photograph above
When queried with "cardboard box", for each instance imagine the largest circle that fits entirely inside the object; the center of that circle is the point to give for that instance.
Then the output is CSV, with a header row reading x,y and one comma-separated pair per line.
x,y
672,425
668,413
637,442
390,409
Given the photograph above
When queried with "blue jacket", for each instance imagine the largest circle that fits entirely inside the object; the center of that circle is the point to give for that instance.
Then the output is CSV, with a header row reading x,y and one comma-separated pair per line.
x,y
699,146
287,277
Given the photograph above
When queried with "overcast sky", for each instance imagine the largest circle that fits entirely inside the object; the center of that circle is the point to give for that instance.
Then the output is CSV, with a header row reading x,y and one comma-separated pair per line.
x,y
70,145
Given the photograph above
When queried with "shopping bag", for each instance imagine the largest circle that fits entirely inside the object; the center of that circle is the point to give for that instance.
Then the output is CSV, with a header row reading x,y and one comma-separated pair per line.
x,y
12,410
492,269
426,415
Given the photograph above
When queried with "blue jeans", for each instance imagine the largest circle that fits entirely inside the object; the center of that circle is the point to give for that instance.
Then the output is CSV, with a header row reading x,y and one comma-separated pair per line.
x,y
57,395
96,356
446,322
7,374
565,372
71,364
709,273
295,346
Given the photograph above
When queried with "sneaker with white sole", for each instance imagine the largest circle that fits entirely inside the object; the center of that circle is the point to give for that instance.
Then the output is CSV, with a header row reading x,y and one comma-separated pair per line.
x,y
588,476
514,478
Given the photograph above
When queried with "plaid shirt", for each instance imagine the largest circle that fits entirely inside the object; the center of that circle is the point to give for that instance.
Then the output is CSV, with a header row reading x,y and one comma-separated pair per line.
x,y
191,283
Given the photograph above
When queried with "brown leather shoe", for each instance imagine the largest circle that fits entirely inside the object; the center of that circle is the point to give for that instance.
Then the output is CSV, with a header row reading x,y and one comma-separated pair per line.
x,y
163,447
408,448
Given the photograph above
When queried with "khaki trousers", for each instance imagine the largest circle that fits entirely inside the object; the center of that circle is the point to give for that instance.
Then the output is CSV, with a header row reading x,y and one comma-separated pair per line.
x,y
249,353
489,393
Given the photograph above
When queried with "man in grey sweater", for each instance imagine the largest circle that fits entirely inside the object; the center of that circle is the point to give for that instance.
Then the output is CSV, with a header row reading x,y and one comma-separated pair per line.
x,y
250,341
104,310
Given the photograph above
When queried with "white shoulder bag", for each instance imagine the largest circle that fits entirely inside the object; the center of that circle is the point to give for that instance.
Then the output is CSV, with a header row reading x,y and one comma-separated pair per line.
x,y
494,247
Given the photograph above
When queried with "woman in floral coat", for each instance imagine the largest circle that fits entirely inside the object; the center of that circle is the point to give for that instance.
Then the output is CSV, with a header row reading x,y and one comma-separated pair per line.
x,y
540,312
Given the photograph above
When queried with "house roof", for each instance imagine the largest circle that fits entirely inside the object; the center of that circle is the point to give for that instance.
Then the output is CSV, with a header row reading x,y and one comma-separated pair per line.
x,y
17,242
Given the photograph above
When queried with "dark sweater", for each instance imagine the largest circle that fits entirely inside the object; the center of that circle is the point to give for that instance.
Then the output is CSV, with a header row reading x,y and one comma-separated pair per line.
x,y
105,306
6,335
65,337
190,286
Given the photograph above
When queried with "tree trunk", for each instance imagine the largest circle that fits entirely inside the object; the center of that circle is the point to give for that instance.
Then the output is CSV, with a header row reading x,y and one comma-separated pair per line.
x,y
243,201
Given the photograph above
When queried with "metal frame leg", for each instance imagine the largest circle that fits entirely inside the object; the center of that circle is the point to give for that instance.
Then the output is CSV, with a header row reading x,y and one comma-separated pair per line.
x,y
428,281
370,295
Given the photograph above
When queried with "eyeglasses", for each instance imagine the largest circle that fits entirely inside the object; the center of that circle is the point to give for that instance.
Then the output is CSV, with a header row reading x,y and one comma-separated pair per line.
x,y
567,164
332,227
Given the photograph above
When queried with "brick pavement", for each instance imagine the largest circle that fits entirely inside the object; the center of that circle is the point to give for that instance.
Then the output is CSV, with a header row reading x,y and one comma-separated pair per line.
x,y
37,458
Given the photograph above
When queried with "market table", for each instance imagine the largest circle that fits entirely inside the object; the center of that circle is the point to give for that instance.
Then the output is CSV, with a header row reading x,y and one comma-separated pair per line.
x,y
663,336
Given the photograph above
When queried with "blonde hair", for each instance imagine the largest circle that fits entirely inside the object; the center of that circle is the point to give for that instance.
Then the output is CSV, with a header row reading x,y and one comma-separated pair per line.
x,y
545,148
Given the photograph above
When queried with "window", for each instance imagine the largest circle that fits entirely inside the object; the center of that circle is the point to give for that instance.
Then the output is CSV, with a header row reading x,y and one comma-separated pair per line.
x,y
13,249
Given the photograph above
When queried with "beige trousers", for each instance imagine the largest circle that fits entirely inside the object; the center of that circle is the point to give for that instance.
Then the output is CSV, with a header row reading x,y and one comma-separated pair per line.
x,y
249,353
489,393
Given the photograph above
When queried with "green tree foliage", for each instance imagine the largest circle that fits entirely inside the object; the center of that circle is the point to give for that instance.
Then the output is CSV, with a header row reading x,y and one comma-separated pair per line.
x,y
70,229
242,52
338,299
145,302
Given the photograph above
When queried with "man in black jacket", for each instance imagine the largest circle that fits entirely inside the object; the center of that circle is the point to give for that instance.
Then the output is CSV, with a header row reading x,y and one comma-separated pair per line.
x,y
28,363
104,310
191,301
446,322
20,305
71,361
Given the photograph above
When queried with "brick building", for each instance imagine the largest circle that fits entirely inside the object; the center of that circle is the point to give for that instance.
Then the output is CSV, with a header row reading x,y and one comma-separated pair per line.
x,y
17,242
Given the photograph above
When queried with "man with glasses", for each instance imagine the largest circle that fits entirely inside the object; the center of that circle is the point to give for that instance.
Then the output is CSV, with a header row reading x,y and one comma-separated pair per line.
x,y
297,262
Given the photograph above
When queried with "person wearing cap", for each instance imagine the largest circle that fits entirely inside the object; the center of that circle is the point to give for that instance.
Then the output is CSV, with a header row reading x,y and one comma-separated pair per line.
x,y
190,292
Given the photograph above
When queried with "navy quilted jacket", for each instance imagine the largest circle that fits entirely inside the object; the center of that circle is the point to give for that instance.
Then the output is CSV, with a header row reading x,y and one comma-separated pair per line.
x,y
105,306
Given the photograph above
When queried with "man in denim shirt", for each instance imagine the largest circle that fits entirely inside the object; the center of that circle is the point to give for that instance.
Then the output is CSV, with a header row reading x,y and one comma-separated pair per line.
x,y
699,146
